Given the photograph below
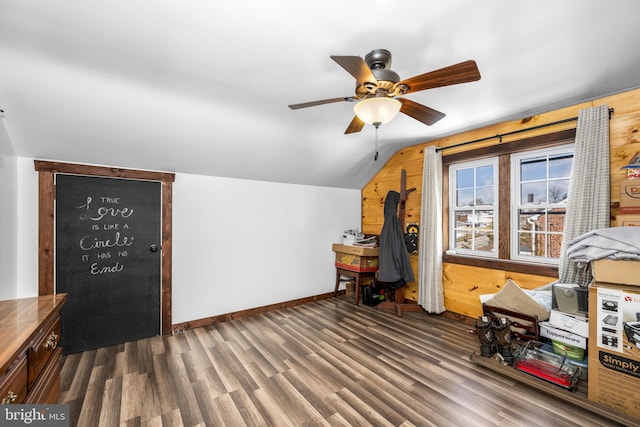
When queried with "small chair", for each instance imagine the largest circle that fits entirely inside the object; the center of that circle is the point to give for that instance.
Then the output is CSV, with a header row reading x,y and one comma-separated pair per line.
x,y
357,276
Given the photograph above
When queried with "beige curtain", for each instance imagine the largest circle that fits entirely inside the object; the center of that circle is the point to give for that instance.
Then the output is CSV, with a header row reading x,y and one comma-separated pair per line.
x,y
589,198
430,292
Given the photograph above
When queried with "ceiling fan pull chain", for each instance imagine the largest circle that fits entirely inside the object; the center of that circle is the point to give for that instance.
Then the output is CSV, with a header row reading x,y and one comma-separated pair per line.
x,y
375,157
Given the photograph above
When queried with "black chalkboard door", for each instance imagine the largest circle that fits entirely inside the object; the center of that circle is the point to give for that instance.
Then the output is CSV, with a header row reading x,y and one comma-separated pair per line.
x,y
108,260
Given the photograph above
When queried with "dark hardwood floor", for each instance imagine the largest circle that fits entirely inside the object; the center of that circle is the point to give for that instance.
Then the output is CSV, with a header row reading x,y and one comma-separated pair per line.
x,y
326,363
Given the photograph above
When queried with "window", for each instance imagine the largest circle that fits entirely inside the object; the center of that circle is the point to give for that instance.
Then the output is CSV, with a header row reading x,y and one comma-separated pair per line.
x,y
540,189
474,196
511,205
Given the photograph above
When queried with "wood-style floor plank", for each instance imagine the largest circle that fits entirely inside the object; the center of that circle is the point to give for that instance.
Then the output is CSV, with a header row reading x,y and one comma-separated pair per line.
x,y
325,363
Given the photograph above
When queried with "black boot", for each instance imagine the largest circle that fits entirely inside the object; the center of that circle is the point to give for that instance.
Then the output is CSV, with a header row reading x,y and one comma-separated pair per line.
x,y
502,332
486,336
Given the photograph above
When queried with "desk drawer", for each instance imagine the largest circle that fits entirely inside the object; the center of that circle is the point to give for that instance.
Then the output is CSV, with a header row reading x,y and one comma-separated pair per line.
x,y
13,385
42,350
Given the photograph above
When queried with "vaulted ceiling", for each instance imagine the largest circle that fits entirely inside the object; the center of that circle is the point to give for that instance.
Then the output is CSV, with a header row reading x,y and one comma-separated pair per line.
x,y
202,87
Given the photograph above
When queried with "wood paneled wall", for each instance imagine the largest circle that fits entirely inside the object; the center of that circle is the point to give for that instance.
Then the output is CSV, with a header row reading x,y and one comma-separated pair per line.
x,y
462,284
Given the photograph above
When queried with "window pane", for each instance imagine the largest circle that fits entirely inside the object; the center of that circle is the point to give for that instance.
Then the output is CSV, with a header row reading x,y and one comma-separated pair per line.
x,y
463,219
464,178
533,192
532,169
555,220
484,235
558,190
484,176
484,196
465,197
525,243
483,240
532,220
463,239
554,242
484,219
560,166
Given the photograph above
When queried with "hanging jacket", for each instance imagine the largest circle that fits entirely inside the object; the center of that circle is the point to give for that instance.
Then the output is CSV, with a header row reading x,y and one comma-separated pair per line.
x,y
394,267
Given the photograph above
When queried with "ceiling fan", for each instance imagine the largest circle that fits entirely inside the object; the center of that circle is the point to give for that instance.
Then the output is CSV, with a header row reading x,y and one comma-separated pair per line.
x,y
378,89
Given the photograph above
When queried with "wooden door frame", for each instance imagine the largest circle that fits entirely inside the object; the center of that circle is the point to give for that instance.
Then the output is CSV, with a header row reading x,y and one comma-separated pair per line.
x,y
46,223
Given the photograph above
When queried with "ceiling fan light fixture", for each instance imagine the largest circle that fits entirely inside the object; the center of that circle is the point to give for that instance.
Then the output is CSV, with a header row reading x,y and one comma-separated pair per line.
x,y
377,111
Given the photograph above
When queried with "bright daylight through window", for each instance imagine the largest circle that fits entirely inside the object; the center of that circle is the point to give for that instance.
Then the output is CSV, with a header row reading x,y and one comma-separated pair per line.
x,y
540,188
537,199
474,206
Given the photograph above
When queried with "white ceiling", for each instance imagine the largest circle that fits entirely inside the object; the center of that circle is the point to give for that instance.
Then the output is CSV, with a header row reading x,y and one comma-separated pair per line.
x,y
202,86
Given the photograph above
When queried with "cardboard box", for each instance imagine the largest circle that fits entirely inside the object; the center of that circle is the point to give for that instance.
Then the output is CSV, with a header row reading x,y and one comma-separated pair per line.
x,y
565,337
356,262
355,250
571,323
614,359
628,220
617,271
356,258
630,193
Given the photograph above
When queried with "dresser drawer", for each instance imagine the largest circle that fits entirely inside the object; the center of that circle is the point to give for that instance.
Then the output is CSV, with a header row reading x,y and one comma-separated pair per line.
x,y
47,389
43,350
13,385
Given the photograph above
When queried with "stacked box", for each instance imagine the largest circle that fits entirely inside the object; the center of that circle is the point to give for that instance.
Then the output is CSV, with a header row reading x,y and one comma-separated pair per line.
x,y
614,271
564,343
570,322
356,262
614,347
356,258
568,326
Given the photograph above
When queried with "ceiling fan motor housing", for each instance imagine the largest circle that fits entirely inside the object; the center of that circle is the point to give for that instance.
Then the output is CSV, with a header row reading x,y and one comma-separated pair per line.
x,y
379,61
378,58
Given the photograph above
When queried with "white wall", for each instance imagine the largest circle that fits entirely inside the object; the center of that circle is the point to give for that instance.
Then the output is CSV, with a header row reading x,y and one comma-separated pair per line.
x,y
8,217
240,244
27,228
237,244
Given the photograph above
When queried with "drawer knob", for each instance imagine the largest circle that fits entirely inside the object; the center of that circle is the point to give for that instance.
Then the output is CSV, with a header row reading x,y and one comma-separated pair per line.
x,y
52,341
11,398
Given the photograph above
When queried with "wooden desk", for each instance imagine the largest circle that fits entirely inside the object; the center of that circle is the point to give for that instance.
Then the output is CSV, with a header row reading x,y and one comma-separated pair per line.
x,y
29,352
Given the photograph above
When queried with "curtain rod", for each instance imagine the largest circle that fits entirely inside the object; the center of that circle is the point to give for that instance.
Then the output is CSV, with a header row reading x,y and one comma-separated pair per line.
x,y
500,135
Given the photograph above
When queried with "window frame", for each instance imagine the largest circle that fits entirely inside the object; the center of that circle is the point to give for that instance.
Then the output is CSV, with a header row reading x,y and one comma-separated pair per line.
x,y
516,200
474,164
502,151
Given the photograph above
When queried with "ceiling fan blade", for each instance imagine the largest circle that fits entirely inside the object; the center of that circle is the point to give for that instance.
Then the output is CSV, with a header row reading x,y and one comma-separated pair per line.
x,y
424,114
356,125
321,102
356,66
452,75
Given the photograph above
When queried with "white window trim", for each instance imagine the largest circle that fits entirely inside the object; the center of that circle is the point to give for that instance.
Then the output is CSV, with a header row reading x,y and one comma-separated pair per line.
x,y
452,209
516,197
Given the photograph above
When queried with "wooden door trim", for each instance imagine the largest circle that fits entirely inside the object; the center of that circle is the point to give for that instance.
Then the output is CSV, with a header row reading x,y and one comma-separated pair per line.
x,y
46,222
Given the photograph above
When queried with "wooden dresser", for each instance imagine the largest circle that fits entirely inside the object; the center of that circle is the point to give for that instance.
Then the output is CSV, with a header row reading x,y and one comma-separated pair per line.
x,y
29,352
